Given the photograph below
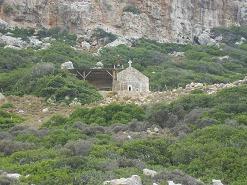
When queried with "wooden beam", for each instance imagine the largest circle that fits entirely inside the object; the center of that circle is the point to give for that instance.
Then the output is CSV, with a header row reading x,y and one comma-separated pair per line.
x,y
109,73
88,74
83,76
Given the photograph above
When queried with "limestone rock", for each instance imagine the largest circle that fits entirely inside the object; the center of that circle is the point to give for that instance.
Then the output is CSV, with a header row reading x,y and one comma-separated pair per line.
x,y
45,110
67,65
205,39
99,65
224,58
13,175
12,47
133,180
34,42
172,183
2,98
150,173
12,41
217,182
3,24
175,21
119,41
85,45
177,54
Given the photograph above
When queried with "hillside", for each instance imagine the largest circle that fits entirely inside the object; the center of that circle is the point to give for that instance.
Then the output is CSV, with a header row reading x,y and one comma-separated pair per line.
x,y
56,129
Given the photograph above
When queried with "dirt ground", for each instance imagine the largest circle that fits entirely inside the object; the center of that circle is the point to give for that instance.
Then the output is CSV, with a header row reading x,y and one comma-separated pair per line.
x,y
36,110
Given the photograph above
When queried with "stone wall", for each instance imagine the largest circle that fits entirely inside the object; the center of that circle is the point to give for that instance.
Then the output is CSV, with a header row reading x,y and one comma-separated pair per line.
x,y
132,80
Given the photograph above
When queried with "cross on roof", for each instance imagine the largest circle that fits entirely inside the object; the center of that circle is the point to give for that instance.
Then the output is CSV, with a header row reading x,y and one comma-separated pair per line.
x,y
130,62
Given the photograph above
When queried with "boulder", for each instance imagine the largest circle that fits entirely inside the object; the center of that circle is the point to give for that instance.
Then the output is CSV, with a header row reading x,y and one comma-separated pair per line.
x,y
99,65
217,182
13,175
2,98
224,58
34,42
67,65
172,183
85,45
133,180
3,24
205,39
150,173
119,41
177,54
11,47
12,41
45,110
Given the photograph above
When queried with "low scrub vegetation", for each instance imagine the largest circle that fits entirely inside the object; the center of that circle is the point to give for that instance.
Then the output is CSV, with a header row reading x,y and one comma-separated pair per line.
x,y
87,148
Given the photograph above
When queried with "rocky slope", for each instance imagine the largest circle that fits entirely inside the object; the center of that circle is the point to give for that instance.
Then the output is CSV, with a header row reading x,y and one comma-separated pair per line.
x,y
163,20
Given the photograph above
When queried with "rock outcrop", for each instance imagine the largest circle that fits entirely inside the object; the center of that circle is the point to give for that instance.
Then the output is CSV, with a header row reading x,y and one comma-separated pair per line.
x,y
217,182
150,173
164,20
133,180
2,98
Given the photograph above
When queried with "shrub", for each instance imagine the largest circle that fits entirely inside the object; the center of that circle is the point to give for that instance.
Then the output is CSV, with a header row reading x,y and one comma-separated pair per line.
x,y
61,35
137,126
107,37
143,150
1,2
8,120
5,180
8,9
132,8
42,69
7,106
8,147
242,119
230,35
110,114
213,152
80,147
61,86
178,177
54,121
59,136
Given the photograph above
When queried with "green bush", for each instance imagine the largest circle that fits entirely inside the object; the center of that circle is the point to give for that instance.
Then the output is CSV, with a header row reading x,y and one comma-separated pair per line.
x,y
231,35
58,34
132,8
110,114
102,34
7,106
60,86
8,9
54,121
143,150
8,120
217,152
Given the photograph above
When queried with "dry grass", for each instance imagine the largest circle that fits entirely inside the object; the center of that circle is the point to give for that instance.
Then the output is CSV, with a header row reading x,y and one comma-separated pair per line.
x,y
31,109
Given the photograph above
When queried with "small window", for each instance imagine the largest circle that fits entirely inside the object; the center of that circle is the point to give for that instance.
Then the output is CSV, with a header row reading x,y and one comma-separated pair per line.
x,y
129,87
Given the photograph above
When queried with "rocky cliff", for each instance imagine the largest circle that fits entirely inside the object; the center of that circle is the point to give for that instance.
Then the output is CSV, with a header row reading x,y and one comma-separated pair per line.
x,y
162,20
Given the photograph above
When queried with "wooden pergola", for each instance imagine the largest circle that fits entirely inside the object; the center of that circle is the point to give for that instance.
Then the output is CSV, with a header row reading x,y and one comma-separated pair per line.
x,y
101,78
